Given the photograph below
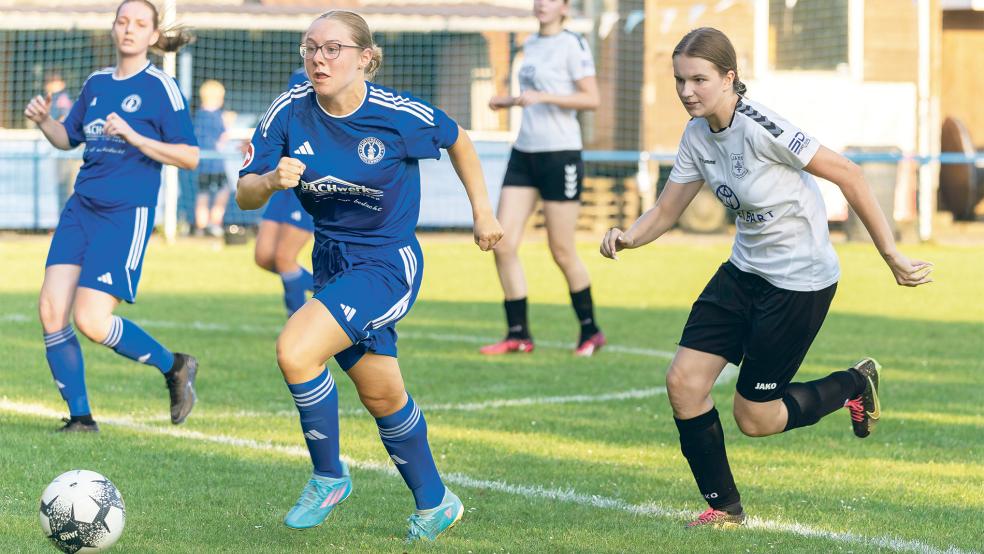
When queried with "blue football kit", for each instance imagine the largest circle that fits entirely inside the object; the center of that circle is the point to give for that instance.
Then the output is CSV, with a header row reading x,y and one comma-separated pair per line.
x,y
106,223
283,206
362,186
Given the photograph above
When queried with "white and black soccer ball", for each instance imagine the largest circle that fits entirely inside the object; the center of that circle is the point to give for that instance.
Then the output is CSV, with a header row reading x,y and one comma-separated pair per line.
x,y
82,511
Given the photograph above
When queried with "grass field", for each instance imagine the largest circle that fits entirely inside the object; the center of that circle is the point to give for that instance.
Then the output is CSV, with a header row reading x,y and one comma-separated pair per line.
x,y
549,453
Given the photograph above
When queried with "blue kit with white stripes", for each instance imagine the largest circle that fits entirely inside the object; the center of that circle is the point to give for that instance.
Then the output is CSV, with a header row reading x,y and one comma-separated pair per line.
x,y
105,225
361,184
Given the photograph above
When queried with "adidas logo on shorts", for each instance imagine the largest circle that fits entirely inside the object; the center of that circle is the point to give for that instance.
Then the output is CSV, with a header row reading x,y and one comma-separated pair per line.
x,y
105,278
349,312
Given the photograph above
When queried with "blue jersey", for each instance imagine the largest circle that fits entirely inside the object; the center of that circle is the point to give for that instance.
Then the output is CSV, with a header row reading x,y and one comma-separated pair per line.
x,y
116,175
362,181
208,129
297,77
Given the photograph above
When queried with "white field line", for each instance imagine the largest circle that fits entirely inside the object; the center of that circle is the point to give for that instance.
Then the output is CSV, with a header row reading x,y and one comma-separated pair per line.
x,y
274,329
569,495
729,374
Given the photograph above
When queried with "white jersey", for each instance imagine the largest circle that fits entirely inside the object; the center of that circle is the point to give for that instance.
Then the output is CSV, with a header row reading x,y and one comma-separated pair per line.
x,y
755,167
552,64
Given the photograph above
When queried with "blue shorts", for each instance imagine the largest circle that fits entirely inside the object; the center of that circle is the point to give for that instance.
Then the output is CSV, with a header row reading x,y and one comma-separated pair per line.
x,y
284,207
367,290
109,245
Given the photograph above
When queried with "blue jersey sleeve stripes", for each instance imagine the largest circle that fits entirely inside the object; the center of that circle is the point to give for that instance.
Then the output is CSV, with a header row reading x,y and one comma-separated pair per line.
x,y
282,102
390,100
170,87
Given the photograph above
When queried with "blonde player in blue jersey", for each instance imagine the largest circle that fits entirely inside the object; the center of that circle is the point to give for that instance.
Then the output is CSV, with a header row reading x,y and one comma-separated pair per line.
x,y
765,305
349,149
285,228
132,119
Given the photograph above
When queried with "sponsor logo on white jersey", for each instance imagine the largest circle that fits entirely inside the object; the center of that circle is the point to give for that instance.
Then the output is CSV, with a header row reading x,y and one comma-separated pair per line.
x,y
371,150
304,149
131,103
799,142
727,197
105,278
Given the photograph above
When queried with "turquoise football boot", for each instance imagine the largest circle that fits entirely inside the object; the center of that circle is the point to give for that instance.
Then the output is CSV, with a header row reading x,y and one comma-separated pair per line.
x,y
428,524
319,497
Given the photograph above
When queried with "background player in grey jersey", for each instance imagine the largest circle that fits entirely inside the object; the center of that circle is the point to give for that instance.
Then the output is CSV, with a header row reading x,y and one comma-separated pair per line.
x,y
557,78
763,308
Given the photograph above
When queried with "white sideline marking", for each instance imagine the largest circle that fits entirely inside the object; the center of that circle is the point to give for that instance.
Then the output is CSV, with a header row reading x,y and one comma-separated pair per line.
x,y
536,491
729,374
274,329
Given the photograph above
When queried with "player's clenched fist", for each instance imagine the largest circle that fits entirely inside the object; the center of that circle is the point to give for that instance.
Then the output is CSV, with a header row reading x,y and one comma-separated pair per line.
x,y
488,232
38,109
288,174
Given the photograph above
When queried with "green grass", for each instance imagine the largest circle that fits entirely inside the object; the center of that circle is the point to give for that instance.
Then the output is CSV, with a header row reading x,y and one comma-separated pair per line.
x,y
919,478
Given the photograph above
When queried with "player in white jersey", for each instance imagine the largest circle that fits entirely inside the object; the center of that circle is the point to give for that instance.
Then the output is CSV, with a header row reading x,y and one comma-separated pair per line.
x,y
765,305
557,78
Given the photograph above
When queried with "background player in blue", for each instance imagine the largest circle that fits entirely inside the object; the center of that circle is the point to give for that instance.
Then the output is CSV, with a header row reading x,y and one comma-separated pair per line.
x,y
284,230
349,149
132,119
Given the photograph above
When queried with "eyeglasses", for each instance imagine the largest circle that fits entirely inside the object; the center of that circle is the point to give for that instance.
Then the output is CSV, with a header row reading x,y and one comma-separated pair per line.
x,y
331,50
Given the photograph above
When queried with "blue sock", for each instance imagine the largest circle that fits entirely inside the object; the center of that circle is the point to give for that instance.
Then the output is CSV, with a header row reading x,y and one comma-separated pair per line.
x,y
128,339
404,435
317,402
68,368
296,284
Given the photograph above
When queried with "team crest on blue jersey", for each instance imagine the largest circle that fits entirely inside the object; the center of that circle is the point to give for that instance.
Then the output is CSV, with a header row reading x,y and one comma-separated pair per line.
x,y
738,168
131,103
371,150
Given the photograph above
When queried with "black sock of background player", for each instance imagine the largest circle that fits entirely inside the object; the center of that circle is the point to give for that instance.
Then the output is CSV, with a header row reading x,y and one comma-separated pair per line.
x,y
808,402
516,318
702,444
584,308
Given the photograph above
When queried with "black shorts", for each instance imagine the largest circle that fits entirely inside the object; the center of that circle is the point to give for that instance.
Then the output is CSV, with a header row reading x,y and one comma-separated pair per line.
x,y
747,320
211,182
558,175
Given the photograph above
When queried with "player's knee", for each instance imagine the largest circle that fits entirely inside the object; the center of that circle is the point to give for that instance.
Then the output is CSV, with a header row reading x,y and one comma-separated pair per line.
x,y
506,249
563,256
383,401
95,326
681,383
53,314
751,422
264,260
290,361
284,262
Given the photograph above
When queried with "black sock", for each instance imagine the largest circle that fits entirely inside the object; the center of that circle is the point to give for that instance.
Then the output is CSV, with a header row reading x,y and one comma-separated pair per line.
x,y
86,419
519,328
584,308
808,402
702,444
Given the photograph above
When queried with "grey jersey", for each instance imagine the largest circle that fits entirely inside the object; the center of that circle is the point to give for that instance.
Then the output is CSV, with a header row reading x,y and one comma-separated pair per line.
x,y
552,64
755,167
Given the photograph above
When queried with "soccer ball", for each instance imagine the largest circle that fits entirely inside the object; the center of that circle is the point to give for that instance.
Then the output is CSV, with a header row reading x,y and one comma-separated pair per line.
x,y
82,511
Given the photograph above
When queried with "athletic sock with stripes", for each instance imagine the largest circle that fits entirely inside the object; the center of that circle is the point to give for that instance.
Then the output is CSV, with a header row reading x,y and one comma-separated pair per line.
x,y
317,403
296,284
127,339
404,435
702,443
64,356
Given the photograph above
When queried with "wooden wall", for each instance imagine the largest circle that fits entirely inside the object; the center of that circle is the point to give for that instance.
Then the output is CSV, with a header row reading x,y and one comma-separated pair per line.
x,y
891,41
963,70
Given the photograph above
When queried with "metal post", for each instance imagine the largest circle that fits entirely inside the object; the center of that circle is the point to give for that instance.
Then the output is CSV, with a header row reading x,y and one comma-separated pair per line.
x,y
170,172
37,184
